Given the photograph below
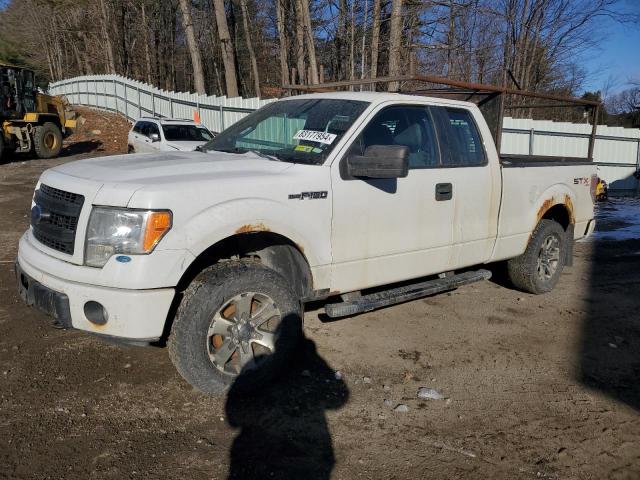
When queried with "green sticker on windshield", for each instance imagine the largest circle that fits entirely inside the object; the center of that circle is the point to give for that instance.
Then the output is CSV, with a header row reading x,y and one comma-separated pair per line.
x,y
304,148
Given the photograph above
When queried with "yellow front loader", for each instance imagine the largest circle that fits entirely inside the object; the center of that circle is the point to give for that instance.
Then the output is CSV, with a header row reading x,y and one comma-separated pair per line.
x,y
30,119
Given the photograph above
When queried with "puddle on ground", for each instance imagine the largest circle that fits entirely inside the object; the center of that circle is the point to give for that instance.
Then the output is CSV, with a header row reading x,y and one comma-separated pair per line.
x,y
618,219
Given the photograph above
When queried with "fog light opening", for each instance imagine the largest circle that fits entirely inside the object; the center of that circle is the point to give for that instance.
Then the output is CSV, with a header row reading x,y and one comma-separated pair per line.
x,y
95,313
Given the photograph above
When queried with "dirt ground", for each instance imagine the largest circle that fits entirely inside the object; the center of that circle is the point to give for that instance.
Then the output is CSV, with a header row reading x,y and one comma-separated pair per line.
x,y
535,386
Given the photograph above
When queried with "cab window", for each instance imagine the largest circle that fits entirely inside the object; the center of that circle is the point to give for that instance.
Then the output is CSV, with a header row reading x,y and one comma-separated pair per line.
x,y
407,125
137,128
152,128
459,137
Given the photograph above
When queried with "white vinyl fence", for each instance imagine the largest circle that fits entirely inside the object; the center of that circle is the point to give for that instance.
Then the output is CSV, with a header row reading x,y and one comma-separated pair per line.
x,y
616,150
135,99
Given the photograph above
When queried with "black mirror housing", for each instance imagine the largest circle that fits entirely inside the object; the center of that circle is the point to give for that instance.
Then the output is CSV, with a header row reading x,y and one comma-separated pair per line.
x,y
380,161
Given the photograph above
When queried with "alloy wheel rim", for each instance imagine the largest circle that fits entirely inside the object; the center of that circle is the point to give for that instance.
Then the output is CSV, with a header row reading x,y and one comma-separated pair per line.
x,y
242,333
548,258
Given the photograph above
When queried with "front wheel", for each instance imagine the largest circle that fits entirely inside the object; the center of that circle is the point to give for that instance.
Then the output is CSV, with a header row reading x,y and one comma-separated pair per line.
x,y
237,322
539,268
47,140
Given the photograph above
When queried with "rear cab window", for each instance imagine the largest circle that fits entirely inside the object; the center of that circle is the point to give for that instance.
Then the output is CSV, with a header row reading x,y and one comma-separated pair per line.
x,y
460,141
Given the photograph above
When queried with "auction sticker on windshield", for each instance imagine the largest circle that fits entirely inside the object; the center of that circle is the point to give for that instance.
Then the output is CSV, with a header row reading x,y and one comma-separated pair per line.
x,y
315,136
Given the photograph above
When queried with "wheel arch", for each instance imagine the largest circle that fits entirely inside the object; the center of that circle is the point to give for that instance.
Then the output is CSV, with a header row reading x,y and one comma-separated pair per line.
x,y
268,248
555,204
272,249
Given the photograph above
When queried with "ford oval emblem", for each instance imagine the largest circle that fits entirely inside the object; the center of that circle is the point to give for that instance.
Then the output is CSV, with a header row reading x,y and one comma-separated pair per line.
x,y
123,259
38,214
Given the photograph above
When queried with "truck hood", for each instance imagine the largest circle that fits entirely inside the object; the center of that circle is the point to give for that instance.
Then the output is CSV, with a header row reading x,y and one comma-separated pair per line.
x,y
117,178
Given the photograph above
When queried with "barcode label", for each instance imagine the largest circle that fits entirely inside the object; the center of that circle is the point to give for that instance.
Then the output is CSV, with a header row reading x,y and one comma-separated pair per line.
x,y
315,136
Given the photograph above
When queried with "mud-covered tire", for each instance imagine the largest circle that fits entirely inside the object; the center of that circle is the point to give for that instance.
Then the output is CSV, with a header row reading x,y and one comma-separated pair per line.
x,y
191,342
2,147
47,140
525,271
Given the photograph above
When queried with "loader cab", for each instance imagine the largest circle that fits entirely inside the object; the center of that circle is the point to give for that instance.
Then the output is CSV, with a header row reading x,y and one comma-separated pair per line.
x,y
17,92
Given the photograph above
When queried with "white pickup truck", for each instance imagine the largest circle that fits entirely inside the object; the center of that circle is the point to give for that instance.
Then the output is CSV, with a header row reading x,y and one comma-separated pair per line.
x,y
310,197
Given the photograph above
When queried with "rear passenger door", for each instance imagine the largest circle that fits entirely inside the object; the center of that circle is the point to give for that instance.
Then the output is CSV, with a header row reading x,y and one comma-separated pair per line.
x,y
475,183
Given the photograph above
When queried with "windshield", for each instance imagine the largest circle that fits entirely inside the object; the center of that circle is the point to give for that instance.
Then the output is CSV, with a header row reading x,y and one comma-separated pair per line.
x,y
186,133
299,131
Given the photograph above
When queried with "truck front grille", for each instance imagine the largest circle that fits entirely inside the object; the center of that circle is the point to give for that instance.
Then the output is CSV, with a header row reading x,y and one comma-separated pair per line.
x,y
54,217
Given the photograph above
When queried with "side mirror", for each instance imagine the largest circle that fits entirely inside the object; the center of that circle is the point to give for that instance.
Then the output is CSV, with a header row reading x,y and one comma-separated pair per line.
x,y
380,161
154,137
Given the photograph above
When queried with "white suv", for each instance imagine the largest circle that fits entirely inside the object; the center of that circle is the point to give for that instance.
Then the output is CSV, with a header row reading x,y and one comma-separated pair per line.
x,y
166,134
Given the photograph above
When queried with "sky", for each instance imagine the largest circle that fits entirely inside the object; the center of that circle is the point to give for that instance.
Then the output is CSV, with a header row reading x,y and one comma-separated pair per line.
x,y
618,57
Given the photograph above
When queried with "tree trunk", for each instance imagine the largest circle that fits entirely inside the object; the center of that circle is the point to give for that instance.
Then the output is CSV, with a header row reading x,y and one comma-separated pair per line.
x,y
395,37
352,42
252,55
147,55
111,67
343,16
300,43
228,58
451,40
375,39
284,43
364,38
192,44
311,48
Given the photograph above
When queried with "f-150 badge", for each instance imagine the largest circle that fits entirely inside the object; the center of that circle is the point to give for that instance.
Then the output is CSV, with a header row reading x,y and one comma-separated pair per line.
x,y
308,195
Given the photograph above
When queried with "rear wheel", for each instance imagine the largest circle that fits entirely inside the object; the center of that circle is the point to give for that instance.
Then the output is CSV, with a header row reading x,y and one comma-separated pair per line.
x,y
47,140
539,268
238,322
2,148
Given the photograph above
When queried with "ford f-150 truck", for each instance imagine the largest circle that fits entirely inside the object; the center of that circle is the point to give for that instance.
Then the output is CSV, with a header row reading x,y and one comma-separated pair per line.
x,y
313,196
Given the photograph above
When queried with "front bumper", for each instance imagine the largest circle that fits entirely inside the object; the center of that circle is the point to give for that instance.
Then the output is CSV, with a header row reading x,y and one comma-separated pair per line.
x,y
52,303
132,315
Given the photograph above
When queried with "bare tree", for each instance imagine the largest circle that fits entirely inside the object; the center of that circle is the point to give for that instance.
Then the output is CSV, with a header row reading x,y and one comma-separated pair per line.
x,y
375,38
284,43
300,43
311,48
252,55
107,37
228,57
194,51
395,39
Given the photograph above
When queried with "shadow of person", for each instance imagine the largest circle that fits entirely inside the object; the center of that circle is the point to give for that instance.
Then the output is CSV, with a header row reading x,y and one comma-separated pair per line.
x,y
609,359
283,427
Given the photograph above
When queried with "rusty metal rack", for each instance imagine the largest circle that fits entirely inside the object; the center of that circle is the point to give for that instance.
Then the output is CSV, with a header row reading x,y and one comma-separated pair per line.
x,y
481,94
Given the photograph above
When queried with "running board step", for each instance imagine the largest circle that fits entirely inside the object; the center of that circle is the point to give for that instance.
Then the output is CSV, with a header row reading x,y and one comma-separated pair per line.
x,y
366,303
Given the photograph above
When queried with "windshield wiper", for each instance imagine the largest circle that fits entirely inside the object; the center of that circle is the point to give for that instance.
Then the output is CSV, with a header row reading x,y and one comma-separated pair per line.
x,y
236,150
265,155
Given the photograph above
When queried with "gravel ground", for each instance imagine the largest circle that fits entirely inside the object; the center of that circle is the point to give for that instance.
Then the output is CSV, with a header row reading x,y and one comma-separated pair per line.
x,y
532,386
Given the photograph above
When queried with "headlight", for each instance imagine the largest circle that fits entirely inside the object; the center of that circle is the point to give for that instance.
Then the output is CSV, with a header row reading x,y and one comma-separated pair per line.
x,y
120,230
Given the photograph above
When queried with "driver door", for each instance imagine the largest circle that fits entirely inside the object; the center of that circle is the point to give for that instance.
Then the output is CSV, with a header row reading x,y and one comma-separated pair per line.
x,y
388,230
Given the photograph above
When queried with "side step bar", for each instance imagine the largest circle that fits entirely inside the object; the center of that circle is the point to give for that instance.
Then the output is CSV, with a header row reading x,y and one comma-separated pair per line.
x,y
373,301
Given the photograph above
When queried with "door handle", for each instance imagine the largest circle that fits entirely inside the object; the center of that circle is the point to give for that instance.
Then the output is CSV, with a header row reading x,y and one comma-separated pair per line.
x,y
444,191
